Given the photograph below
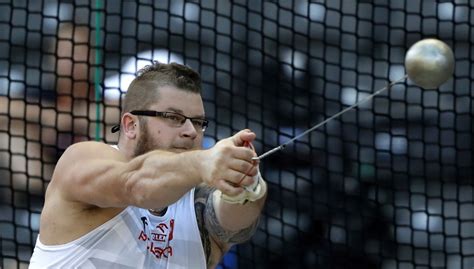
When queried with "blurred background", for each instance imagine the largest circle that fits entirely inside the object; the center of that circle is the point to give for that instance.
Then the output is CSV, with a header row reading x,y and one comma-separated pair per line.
x,y
387,185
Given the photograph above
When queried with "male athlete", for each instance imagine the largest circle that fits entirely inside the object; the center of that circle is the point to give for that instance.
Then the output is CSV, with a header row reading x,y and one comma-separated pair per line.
x,y
156,200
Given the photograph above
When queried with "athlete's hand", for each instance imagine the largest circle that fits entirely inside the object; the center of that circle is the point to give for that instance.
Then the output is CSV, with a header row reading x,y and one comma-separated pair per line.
x,y
229,164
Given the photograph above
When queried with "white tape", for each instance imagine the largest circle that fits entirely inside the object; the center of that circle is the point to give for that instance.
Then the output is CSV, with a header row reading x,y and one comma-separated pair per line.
x,y
251,193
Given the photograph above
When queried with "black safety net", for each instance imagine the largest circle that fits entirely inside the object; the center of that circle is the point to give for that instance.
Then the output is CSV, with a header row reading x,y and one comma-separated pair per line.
x,y
386,185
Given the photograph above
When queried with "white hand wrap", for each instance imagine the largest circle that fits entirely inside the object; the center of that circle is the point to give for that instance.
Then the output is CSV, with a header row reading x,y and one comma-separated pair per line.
x,y
251,193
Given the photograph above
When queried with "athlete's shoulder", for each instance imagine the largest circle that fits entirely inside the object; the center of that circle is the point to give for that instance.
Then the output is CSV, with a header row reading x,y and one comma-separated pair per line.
x,y
92,149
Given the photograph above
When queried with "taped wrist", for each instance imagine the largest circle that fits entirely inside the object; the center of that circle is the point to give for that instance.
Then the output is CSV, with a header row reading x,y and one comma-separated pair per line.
x,y
251,193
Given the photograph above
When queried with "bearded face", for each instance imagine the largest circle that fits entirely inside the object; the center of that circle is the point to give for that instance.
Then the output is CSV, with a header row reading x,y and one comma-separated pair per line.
x,y
145,142
148,142
158,133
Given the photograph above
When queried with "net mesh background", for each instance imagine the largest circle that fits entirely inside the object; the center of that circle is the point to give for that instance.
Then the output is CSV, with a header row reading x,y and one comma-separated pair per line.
x,y
387,185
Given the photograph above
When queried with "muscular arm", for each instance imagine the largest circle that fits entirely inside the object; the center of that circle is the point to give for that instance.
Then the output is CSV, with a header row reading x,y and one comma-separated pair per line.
x,y
96,174
222,224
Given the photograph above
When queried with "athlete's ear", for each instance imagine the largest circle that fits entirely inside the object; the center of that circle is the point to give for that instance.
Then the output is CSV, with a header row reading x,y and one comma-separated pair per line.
x,y
130,125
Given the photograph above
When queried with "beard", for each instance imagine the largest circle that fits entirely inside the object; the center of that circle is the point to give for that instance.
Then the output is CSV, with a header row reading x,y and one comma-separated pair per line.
x,y
145,143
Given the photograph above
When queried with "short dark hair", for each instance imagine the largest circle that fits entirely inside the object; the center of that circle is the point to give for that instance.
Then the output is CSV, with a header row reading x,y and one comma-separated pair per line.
x,y
143,92
144,89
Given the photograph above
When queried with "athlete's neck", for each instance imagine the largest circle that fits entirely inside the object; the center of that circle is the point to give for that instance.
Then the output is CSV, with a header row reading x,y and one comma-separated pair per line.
x,y
158,211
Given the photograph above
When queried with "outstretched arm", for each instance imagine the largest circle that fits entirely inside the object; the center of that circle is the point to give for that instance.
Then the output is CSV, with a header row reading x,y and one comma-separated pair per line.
x,y
96,174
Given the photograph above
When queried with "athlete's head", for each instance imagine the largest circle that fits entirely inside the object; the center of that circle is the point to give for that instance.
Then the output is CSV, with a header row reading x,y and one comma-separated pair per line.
x,y
163,109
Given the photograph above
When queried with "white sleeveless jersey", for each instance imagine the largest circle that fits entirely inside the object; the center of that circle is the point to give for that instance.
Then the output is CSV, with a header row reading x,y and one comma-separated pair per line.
x,y
133,239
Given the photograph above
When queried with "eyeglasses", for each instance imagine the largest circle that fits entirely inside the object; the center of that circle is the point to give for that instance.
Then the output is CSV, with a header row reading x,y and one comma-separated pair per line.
x,y
173,119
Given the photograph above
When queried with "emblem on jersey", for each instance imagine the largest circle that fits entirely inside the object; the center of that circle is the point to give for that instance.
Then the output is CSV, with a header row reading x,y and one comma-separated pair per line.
x,y
158,238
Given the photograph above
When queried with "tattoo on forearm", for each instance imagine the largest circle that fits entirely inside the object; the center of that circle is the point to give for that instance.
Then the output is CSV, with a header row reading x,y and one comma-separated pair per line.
x,y
200,196
209,225
225,236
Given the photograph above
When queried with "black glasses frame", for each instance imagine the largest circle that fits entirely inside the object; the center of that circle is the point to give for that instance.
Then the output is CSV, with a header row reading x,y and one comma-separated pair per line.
x,y
164,114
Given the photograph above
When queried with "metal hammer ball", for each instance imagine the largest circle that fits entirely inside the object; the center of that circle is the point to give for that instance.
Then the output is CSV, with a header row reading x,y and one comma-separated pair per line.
x,y
429,63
